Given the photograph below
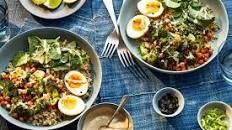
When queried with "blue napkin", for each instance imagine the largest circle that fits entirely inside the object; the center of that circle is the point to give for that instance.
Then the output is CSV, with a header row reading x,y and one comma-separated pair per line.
x,y
93,23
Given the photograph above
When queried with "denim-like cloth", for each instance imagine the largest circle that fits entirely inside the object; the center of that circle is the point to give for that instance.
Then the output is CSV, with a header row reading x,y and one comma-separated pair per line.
x,y
92,22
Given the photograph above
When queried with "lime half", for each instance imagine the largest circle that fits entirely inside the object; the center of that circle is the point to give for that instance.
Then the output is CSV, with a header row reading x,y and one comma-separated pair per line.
x,y
69,1
38,2
52,4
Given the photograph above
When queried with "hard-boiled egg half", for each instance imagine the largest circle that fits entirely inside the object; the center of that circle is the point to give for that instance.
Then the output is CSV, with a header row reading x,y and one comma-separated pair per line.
x,y
76,83
138,26
71,105
150,8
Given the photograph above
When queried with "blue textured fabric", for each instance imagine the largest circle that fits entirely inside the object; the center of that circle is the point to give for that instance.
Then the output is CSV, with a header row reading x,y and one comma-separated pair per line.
x,y
93,23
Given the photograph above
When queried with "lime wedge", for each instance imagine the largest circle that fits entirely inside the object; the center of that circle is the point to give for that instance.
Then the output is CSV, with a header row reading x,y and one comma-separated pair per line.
x,y
69,1
172,4
52,4
38,2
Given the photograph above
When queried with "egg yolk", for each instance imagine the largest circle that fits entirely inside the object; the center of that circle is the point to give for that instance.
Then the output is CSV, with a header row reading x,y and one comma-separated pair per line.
x,y
74,77
152,7
138,24
70,103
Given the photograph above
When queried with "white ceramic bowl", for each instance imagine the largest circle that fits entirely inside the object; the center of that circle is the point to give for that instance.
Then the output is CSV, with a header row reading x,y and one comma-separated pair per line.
x,y
159,94
216,104
19,43
103,106
129,9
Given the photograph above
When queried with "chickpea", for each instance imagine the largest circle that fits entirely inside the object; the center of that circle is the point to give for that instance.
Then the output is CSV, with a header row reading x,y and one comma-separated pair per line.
x,y
8,106
28,85
33,69
206,38
199,55
203,50
201,61
1,98
21,119
7,98
182,65
206,55
210,51
4,103
210,34
15,115
178,69
30,118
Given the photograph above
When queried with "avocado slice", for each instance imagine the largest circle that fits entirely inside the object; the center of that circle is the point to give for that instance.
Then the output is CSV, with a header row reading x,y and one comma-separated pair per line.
x,y
20,58
53,4
172,4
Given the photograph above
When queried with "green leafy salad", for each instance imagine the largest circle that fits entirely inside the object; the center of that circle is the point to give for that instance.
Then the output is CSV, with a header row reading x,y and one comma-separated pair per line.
x,y
173,34
33,83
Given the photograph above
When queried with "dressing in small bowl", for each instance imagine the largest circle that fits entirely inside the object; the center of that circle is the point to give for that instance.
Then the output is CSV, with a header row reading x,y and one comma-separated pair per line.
x,y
100,114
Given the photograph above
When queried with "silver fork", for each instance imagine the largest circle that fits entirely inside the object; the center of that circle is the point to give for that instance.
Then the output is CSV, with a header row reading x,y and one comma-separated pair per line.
x,y
128,62
112,40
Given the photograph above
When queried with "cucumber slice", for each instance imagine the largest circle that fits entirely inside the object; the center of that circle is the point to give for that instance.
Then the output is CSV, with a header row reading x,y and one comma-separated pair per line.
x,y
172,4
53,4
69,1
38,2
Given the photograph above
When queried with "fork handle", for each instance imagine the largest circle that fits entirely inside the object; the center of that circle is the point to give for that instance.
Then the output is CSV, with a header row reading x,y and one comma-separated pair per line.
x,y
110,9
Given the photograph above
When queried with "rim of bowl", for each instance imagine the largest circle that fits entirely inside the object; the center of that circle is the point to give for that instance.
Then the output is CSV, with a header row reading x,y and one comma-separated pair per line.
x,y
177,72
82,119
79,5
28,126
180,108
209,103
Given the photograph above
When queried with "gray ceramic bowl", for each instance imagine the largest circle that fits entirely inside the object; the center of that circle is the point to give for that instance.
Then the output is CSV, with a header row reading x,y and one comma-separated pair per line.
x,y
216,104
129,8
103,106
61,12
159,94
19,43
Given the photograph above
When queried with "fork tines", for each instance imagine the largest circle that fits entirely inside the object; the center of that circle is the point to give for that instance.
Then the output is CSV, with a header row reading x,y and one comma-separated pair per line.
x,y
128,62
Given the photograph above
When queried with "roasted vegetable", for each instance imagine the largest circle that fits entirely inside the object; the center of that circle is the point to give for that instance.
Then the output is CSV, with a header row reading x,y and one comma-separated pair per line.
x,y
191,59
142,49
22,109
150,57
19,59
8,89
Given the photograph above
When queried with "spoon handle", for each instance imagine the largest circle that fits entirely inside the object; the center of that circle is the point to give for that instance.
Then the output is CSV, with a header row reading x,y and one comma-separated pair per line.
x,y
123,101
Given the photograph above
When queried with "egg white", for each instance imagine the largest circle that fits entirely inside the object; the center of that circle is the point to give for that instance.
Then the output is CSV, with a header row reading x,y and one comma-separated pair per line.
x,y
132,33
141,5
80,106
80,91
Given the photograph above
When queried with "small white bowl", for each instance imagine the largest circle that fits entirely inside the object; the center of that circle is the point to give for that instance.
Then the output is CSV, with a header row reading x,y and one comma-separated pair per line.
x,y
159,94
215,104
